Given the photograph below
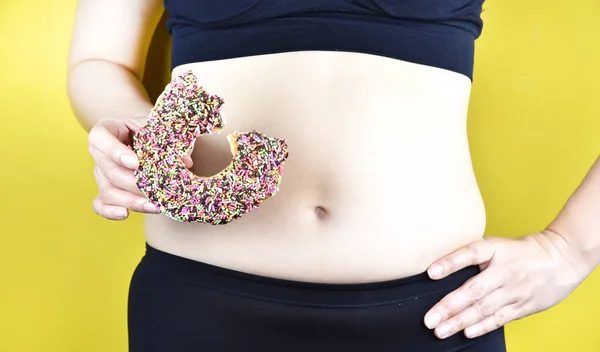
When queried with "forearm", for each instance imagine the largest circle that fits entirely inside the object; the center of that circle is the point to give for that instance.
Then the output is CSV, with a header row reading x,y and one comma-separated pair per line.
x,y
578,223
99,88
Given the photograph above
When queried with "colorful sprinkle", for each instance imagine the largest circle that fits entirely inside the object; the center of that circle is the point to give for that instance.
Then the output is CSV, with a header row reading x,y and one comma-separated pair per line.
x,y
183,112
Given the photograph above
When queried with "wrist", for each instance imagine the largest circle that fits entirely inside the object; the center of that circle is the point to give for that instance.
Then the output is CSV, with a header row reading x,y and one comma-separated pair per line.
x,y
577,253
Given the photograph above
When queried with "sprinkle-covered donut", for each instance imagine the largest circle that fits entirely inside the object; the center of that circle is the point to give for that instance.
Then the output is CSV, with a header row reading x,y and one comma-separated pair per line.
x,y
182,113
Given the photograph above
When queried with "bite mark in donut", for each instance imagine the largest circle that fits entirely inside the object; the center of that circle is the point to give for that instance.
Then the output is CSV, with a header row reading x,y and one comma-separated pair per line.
x,y
182,113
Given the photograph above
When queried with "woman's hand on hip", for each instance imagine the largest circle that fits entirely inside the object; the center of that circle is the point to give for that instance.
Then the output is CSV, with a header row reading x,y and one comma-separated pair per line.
x,y
115,162
518,277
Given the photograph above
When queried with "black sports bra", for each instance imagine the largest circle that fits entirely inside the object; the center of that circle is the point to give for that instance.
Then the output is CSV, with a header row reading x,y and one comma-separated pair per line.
x,y
439,33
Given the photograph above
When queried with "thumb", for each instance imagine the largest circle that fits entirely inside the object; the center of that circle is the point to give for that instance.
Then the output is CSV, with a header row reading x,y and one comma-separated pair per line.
x,y
475,253
187,158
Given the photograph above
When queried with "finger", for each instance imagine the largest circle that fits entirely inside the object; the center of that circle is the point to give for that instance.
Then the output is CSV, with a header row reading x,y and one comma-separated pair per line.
x,y
187,161
475,253
117,197
120,198
113,174
495,321
475,313
110,212
117,176
473,290
107,138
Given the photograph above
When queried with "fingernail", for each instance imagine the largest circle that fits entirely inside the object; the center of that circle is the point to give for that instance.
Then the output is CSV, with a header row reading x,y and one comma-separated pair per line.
x,y
436,270
433,320
471,331
443,330
149,207
129,161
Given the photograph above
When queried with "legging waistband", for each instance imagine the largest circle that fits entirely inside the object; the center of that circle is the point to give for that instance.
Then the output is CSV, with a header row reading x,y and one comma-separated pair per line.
x,y
359,295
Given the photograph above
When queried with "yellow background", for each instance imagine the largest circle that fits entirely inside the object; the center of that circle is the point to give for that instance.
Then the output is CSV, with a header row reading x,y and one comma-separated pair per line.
x,y
64,272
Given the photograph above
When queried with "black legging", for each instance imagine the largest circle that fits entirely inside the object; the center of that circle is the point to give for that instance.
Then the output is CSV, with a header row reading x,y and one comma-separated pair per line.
x,y
180,305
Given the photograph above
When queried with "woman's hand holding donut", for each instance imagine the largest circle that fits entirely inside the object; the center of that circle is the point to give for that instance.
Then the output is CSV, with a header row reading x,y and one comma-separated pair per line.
x,y
109,142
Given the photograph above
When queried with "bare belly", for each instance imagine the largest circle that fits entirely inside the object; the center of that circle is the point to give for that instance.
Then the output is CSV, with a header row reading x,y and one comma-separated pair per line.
x,y
378,183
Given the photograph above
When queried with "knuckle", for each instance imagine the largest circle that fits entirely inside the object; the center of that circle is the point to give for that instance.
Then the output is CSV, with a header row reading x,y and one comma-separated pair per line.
x,y
515,271
448,309
449,263
111,175
484,308
475,291
528,305
473,251
115,152
483,327
139,206
457,323
499,319
107,196
134,203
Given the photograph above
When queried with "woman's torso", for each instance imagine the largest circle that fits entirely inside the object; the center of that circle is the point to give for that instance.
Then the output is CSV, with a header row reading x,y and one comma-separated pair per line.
x,y
378,182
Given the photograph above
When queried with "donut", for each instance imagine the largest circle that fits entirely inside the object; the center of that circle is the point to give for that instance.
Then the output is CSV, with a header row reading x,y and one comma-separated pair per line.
x,y
183,112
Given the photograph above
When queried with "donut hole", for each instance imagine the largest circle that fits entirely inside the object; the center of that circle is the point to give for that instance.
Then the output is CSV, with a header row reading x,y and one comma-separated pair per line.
x,y
211,155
